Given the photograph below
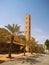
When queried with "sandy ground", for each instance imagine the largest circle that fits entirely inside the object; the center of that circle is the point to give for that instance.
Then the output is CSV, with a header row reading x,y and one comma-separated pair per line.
x,y
4,57
19,59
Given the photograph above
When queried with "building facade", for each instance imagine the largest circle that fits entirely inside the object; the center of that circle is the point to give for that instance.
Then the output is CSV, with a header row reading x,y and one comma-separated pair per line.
x,y
27,24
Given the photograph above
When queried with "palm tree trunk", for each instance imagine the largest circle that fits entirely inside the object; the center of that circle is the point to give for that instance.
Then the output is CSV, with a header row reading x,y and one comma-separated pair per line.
x,y
10,49
31,50
24,50
10,46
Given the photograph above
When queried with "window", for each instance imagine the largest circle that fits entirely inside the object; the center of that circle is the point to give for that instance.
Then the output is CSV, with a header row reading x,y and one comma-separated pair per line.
x,y
26,26
26,22
26,17
26,32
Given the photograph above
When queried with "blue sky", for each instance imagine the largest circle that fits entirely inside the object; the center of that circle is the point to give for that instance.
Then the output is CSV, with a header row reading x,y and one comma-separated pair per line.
x,y
14,11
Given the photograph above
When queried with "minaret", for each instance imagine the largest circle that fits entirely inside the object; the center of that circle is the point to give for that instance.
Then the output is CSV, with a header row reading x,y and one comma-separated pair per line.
x,y
27,30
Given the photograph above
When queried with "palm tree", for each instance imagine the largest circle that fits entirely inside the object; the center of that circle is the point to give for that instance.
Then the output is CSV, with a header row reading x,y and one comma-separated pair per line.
x,y
24,41
31,44
14,30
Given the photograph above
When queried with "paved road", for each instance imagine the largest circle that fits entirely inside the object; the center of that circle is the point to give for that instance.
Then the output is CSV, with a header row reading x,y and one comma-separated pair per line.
x,y
41,59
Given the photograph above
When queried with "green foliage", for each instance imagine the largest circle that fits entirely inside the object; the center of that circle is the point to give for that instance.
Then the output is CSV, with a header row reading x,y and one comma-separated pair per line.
x,y
47,43
31,45
34,47
24,41
13,30
4,35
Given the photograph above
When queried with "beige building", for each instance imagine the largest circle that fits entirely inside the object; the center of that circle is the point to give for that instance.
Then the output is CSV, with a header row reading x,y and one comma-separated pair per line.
x,y
27,30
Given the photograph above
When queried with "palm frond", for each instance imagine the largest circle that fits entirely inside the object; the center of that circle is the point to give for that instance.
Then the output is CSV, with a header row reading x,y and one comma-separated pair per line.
x,y
17,28
9,27
14,29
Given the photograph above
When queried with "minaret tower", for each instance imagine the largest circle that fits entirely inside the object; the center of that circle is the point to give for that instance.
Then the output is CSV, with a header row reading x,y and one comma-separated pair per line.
x,y
27,30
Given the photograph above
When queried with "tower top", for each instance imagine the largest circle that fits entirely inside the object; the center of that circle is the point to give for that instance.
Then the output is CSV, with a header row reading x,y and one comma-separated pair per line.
x,y
27,15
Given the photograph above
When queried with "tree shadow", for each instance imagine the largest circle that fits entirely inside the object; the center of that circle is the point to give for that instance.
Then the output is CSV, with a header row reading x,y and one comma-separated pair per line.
x,y
37,56
10,58
1,61
28,60
47,53
32,61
